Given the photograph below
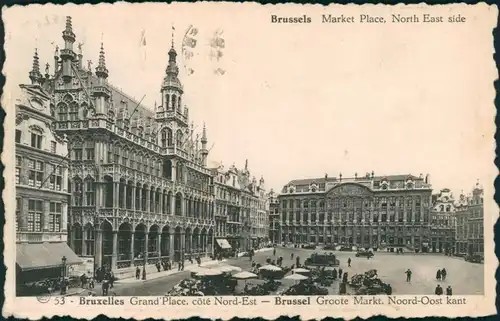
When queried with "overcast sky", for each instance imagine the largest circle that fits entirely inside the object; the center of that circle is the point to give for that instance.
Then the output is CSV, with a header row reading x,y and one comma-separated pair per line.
x,y
298,101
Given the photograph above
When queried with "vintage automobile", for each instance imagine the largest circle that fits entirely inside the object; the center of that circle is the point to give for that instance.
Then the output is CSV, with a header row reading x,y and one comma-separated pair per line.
x,y
474,258
310,246
322,260
364,253
329,247
346,248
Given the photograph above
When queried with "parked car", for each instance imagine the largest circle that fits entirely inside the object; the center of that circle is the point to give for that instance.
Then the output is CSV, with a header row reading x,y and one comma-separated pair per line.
x,y
346,248
309,246
364,253
329,247
474,258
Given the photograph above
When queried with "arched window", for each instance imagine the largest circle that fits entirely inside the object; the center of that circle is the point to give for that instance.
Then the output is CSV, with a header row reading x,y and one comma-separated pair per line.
x,y
89,192
174,102
132,160
116,156
170,141
78,191
179,105
73,111
167,97
62,112
164,138
125,157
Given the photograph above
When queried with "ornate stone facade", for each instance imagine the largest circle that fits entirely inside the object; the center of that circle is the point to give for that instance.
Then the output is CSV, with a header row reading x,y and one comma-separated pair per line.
x,y
364,211
140,188
470,222
443,223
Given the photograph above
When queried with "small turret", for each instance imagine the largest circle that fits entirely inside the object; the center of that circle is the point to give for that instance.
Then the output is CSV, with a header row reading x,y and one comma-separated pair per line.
x,y
35,75
67,54
101,71
204,150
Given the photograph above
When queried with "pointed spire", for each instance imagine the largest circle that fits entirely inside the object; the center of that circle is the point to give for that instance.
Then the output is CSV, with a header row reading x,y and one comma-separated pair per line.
x,y
68,34
101,70
204,135
35,74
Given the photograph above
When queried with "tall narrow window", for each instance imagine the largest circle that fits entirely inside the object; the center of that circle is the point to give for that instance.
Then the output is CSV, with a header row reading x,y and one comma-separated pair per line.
x,y
36,139
18,135
90,153
18,169
35,213
19,205
53,147
55,217
78,154
89,193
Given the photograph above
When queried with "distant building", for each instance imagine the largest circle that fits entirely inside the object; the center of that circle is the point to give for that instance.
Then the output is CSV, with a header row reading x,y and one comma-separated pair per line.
x,y
470,222
227,206
443,223
41,186
365,211
241,208
274,217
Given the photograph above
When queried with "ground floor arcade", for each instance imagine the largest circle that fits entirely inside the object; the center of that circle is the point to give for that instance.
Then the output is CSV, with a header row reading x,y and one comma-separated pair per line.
x,y
138,244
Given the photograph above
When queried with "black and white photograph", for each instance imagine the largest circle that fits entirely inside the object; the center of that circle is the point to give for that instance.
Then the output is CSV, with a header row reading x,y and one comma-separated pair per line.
x,y
168,152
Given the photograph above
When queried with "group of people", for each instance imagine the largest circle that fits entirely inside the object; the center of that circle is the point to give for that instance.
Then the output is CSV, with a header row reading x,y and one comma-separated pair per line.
x,y
441,274
102,275
439,290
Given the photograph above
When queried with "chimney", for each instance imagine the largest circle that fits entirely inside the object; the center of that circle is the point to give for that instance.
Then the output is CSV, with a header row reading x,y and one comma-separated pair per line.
x,y
340,176
326,176
373,174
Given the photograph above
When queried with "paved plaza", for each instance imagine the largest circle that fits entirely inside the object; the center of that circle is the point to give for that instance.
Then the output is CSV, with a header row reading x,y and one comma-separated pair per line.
x,y
464,277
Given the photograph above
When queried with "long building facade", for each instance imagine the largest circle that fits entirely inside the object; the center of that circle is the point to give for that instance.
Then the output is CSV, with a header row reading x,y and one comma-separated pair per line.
x,y
42,195
140,188
443,223
274,217
364,211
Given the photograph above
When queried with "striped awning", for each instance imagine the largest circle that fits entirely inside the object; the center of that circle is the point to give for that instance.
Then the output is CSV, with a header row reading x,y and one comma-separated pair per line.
x,y
34,256
223,243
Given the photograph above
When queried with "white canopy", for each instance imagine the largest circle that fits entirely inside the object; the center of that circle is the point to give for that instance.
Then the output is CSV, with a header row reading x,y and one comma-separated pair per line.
x,y
245,275
209,272
301,270
296,277
229,268
270,267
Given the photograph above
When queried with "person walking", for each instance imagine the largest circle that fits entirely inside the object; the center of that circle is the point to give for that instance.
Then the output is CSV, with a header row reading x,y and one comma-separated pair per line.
x,y
340,273
344,277
138,273
274,251
105,288
408,275
443,274
449,290
349,262
438,275
291,256
144,272
439,290
158,266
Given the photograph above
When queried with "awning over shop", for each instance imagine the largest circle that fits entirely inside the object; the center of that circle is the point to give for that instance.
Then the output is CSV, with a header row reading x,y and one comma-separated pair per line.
x,y
33,256
223,243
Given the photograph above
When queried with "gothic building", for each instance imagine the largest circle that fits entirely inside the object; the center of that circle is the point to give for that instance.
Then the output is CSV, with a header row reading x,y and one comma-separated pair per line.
x,y
140,189
365,211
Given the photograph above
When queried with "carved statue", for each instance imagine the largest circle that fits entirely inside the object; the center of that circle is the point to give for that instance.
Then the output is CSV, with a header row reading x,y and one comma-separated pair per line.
x,y
46,68
89,65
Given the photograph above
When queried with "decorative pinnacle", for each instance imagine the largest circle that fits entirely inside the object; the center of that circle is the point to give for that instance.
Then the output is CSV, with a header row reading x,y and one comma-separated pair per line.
x,y
35,74
101,70
204,134
68,34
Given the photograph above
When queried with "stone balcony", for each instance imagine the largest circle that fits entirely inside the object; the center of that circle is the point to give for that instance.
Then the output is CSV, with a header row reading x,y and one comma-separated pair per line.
x,y
40,237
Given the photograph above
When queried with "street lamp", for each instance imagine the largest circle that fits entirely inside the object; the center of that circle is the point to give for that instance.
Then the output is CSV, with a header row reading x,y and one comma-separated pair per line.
x,y
63,275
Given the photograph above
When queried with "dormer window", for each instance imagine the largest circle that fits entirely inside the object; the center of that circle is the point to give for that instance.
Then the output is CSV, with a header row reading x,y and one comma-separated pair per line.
x,y
36,138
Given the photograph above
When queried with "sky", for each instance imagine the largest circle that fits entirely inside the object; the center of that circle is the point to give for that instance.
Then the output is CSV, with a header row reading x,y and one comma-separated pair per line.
x,y
297,101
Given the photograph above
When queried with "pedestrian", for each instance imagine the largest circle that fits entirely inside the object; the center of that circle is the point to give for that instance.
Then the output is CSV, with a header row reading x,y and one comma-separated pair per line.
x,y
439,290
349,262
105,288
388,289
443,274
334,274
144,272
138,273
83,279
449,290
91,283
291,256
340,273
408,275
342,288
274,252
158,266
344,277
438,275
297,261
111,279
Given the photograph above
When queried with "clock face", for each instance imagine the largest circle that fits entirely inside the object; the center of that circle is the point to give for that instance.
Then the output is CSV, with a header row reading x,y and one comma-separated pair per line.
x,y
36,104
